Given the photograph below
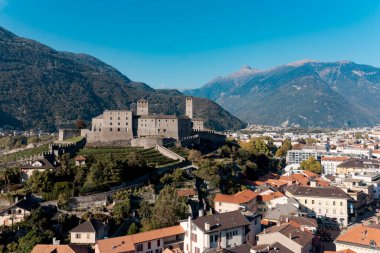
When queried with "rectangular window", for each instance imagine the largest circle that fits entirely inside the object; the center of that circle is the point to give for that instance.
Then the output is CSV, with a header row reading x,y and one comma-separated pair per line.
x,y
194,237
149,245
77,236
158,243
88,236
139,247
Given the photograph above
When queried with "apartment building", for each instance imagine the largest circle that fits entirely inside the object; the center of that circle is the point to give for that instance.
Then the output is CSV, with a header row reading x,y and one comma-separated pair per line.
x,y
329,163
225,230
298,156
324,202
356,165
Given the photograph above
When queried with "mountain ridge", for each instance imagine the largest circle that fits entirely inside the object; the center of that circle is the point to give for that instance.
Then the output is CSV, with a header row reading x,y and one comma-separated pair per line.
x,y
42,88
305,93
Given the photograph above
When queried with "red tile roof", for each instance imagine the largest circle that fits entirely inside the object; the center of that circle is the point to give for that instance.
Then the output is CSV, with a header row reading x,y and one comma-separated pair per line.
x,y
277,183
361,235
186,192
270,196
80,158
335,158
238,198
127,243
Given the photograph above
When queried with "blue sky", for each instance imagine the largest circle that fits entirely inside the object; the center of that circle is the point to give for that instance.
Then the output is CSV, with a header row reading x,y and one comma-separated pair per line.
x,y
184,44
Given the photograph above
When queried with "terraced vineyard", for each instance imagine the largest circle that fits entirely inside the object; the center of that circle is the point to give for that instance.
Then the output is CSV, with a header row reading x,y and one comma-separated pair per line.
x,y
152,156
24,153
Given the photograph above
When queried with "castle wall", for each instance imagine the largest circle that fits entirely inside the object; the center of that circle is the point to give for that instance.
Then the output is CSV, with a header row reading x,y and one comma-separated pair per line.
x,y
168,153
113,127
146,142
65,134
198,124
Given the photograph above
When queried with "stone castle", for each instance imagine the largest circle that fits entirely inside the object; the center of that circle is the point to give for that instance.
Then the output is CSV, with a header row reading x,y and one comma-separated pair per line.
x,y
140,128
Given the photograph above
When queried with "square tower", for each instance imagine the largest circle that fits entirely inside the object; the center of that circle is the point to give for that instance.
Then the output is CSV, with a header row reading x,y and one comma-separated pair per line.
x,y
142,107
189,107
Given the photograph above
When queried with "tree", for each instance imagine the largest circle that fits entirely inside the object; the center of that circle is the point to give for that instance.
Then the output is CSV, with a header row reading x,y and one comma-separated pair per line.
x,y
95,175
41,181
132,229
67,168
311,141
285,147
168,209
135,160
80,124
121,211
194,155
10,176
12,247
256,146
311,164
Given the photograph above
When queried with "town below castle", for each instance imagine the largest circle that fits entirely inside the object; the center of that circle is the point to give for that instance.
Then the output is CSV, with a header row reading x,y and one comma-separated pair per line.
x,y
148,183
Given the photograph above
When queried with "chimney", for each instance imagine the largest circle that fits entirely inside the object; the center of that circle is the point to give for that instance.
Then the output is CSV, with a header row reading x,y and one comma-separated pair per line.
x,y
302,228
313,183
290,236
16,199
200,213
219,241
264,231
55,241
287,219
207,226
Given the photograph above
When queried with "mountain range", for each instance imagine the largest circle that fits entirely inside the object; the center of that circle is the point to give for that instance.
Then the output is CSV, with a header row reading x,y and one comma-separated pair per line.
x,y
41,88
305,93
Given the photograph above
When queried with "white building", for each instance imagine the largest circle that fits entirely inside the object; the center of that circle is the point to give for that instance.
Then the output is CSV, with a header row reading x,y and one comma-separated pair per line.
x,y
17,212
323,202
359,152
229,230
329,163
88,232
298,156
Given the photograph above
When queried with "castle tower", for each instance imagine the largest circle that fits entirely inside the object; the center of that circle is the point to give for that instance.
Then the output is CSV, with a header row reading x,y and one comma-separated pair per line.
x,y
142,107
189,107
